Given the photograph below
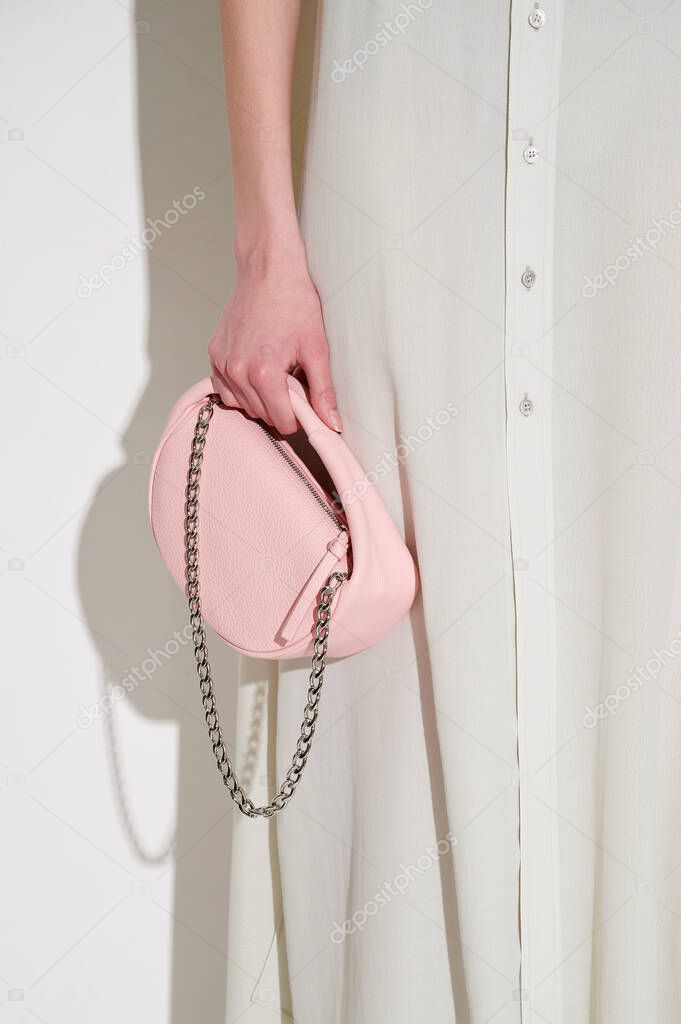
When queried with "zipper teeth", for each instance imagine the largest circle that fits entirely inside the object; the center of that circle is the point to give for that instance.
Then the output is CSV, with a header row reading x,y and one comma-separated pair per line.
x,y
324,505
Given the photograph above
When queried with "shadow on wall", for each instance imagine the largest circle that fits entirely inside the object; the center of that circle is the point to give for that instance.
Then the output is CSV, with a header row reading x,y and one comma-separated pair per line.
x,y
183,148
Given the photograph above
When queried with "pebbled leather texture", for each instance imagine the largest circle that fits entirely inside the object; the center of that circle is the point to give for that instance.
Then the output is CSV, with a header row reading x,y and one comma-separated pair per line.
x,y
265,544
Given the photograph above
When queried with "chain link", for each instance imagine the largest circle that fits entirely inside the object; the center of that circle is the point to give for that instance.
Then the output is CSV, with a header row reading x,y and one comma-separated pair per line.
x,y
203,669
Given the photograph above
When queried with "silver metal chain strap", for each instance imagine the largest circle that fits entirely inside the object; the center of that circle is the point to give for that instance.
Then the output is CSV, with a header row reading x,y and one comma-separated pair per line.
x,y
321,635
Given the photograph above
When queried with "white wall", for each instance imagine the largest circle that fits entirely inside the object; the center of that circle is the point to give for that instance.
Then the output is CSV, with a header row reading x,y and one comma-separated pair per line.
x,y
114,857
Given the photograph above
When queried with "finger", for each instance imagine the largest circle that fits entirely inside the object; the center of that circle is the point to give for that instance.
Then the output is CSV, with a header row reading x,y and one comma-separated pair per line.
x,y
278,402
235,391
254,406
270,384
315,361
220,385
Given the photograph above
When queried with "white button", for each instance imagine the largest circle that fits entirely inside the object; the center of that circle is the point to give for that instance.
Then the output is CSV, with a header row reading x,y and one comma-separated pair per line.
x,y
537,18
531,154
528,278
526,406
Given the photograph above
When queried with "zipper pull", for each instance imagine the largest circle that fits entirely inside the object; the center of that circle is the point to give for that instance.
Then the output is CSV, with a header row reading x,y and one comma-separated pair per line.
x,y
335,550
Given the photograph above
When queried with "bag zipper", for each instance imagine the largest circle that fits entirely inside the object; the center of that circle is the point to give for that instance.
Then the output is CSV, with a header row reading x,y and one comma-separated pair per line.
x,y
323,504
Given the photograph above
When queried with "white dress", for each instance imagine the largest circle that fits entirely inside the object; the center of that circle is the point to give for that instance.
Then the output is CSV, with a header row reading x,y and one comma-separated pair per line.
x,y
489,829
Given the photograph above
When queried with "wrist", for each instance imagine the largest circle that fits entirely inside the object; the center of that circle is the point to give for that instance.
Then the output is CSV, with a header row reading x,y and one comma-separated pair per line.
x,y
267,234
270,251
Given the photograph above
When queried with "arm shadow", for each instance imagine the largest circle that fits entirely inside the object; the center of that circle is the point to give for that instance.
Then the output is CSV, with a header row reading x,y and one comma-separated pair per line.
x,y
132,609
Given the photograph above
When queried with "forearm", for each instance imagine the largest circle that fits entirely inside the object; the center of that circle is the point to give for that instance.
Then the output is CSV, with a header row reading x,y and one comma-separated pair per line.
x,y
259,38
273,320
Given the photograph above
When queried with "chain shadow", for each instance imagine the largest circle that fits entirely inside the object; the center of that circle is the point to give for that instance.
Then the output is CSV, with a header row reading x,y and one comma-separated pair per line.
x,y
126,593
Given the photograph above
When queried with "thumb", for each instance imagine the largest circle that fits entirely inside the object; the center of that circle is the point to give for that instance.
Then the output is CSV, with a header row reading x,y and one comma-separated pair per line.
x,y
320,384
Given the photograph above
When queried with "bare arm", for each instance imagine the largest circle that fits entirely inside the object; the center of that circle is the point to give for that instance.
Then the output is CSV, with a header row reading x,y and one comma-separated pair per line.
x,y
273,319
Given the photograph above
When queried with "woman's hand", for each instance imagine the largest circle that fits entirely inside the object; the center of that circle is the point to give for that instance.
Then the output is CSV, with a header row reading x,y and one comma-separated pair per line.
x,y
271,324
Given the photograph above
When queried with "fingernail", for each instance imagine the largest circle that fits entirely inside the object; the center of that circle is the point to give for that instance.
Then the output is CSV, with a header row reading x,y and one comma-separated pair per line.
x,y
335,420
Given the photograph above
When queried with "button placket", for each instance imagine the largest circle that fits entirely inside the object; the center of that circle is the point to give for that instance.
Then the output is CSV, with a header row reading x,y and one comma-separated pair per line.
x,y
528,452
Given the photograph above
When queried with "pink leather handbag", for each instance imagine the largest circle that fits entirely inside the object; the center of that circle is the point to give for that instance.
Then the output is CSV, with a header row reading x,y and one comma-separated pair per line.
x,y
282,560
